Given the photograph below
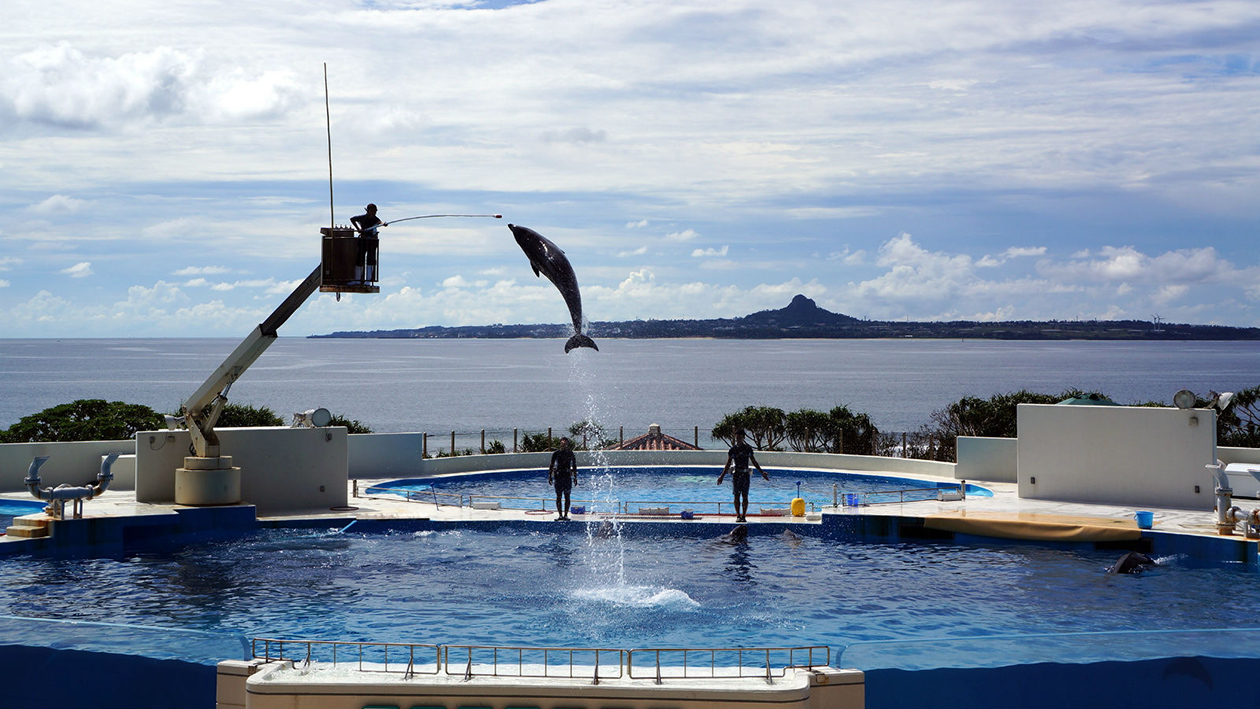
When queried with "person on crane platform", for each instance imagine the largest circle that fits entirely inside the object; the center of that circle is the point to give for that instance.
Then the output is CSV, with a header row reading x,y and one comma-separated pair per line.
x,y
367,226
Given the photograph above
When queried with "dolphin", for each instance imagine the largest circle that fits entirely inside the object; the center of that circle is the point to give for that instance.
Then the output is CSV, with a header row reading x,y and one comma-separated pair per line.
x,y
1131,563
548,260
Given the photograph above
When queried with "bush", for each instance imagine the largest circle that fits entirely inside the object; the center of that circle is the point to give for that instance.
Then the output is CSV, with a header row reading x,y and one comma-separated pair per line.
x,y
538,442
354,425
495,446
246,416
84,420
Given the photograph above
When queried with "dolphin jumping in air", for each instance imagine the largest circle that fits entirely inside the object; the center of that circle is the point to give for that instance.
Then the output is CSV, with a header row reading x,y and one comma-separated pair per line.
x,y
548,260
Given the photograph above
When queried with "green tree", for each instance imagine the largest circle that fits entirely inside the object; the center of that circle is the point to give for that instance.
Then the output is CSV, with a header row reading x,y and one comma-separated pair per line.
x,y
588,434
84,420
851,433
809,431
763,424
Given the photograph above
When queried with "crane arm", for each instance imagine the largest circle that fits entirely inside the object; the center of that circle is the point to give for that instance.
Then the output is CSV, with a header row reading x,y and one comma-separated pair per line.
x,y
213,393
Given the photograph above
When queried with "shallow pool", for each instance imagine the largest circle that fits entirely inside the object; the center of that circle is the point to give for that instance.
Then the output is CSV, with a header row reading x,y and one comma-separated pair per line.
x,y
560,585
604,488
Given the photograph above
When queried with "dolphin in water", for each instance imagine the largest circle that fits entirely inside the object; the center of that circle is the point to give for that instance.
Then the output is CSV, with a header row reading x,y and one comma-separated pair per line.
x,y
1131,563
548,260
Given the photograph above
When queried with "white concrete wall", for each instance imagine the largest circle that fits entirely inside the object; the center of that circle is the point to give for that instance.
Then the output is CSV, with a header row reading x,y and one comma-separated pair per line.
x,y
282,469
990,459
1123,455
73,463
1238,455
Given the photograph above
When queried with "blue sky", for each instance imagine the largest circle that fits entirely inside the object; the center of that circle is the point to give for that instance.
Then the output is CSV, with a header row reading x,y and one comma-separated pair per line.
x,y
164,168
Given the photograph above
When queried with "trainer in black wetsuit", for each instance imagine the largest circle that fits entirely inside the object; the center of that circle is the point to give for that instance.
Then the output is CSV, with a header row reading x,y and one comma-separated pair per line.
x,y
739,456
563,474
367,224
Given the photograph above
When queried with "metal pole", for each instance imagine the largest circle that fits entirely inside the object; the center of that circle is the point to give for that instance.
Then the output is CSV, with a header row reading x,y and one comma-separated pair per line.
x,y
424,445
903,445
697,436
621,435
483,441
332,219
514,432
452,443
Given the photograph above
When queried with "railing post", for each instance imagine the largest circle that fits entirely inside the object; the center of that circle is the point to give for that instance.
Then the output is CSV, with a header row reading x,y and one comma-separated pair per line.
x,y
903,445
424,445
452,443
514,432
697,436
621,435
483,441
549,437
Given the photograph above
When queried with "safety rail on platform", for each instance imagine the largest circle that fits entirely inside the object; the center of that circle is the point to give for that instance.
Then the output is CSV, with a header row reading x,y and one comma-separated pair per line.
x,y
508,661
595,664
739,659
369,657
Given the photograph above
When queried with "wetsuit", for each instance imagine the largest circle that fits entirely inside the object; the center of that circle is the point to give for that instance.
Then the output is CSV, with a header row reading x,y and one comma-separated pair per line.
x,y
367,225
740,454
563,469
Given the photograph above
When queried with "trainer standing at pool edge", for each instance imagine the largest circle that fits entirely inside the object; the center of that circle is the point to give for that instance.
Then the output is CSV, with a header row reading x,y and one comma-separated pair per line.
x,y
563,474
740,455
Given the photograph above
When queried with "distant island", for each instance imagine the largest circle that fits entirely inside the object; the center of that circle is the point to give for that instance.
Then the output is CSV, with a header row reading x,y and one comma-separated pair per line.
x,y
802,318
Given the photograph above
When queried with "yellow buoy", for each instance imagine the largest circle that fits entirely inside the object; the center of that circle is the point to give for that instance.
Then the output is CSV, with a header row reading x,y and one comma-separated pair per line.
x,y
798,507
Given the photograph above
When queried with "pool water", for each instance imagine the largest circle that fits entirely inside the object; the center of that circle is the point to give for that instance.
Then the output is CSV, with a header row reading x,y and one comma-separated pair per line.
x,y
16,508
601,488
561,584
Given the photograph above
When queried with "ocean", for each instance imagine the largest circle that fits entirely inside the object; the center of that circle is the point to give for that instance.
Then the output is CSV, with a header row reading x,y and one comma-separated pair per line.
x,y
441,385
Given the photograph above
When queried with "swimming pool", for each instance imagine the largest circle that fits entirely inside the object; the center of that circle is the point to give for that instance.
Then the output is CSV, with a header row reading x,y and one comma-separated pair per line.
x,y
564,585
16,508
600,489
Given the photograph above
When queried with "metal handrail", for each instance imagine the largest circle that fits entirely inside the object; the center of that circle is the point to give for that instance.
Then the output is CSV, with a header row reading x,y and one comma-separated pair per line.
x,y
429,496
500,667
309,651
469,661
814,656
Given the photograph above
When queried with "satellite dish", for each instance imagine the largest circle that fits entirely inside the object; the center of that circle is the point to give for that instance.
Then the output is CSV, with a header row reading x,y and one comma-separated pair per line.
x,y
320,417
1221,401
1184,399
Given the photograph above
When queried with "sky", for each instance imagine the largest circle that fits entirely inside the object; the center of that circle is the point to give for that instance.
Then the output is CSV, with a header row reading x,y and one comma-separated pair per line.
x,y
164,165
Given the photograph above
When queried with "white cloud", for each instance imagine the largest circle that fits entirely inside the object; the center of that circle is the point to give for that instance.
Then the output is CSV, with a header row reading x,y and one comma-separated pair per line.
x,y
642,223
1022,251
633,252
8,262
83,269
685,235
57,204
710,252
4,283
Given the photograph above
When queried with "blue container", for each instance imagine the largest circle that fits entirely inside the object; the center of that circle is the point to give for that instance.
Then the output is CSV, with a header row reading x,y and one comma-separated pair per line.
x,y
1144,519
577,510
850,499
688,514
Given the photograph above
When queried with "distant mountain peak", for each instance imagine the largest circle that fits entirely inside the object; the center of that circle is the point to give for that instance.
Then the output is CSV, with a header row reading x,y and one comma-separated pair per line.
x,y
801,312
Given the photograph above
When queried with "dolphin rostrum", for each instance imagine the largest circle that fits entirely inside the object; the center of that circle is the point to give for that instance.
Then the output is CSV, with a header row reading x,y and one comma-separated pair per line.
x,y
548,260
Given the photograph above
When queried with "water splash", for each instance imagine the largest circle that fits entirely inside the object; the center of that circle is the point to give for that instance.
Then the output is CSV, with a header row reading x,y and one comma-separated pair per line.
x,y
639,597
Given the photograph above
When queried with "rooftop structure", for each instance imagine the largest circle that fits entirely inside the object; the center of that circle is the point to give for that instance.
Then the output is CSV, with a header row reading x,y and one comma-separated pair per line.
x,y
655,440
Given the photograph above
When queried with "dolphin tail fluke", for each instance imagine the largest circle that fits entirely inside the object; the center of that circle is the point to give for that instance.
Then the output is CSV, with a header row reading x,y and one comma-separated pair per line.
x,y
579,340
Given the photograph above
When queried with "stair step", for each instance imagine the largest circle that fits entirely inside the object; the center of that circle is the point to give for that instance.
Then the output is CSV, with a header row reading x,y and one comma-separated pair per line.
x,y
29,527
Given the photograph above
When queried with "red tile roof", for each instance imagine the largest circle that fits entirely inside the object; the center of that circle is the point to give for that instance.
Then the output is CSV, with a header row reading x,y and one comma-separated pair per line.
x,y
654,440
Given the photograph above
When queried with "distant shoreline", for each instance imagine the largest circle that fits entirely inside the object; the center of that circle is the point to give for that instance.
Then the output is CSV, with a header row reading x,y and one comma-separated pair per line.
x,y
803,319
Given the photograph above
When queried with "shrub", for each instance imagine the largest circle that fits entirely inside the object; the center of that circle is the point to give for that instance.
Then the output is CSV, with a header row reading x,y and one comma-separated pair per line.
x,y
84,420
354,425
